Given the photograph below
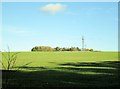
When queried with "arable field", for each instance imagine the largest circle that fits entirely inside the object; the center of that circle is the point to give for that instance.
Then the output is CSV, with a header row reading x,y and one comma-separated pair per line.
x,y
63,69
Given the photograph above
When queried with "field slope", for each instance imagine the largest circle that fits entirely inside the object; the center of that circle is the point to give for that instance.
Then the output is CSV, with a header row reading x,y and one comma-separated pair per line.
x,y
64,69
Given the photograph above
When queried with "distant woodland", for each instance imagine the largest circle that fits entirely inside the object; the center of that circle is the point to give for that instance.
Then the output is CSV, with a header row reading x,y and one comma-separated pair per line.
x,y
48,48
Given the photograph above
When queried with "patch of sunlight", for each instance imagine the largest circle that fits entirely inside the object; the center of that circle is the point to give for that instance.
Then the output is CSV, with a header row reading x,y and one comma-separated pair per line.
x,y
70,82
84,72
94,73
82,67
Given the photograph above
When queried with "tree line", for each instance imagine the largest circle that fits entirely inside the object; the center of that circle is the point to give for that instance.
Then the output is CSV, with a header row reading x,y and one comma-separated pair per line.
x,y
48,48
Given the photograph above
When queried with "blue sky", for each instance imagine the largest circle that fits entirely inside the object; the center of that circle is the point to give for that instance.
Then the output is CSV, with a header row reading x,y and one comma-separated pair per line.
x,y
26,25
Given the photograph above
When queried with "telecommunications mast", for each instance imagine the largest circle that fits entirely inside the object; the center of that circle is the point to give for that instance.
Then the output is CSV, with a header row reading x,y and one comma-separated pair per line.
x,y
82,43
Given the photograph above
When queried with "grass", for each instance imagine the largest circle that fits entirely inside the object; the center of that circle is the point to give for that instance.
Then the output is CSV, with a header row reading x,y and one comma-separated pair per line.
x,y
64,69
51,59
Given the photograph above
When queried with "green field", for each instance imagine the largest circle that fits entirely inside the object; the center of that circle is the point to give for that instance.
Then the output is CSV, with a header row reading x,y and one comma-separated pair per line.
x,y
64,69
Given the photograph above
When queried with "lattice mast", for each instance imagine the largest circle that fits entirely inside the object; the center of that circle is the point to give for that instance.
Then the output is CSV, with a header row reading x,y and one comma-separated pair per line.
x,y
82,43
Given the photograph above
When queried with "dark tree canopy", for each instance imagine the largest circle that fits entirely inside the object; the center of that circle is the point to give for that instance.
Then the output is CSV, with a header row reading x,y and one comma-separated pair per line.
x,y
48,48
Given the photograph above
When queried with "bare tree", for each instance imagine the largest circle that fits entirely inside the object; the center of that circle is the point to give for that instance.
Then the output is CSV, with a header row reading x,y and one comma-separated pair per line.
x,y
8,63
9,59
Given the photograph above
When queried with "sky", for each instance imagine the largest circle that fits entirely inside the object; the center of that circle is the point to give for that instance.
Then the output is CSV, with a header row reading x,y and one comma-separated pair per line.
x,y
29,24
60,0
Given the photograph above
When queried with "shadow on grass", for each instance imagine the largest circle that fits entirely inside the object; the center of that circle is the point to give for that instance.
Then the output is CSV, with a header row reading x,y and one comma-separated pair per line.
x,y
63,77
113,64
106,67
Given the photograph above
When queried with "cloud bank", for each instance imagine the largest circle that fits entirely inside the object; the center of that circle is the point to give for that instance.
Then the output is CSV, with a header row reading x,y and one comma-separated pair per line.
x,y
53,8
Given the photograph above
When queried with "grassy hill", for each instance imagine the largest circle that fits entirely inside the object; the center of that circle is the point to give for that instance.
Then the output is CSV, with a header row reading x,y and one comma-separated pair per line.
x,y
64,69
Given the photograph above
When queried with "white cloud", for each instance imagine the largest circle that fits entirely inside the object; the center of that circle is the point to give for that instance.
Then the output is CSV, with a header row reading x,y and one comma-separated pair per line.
x,y
53,8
